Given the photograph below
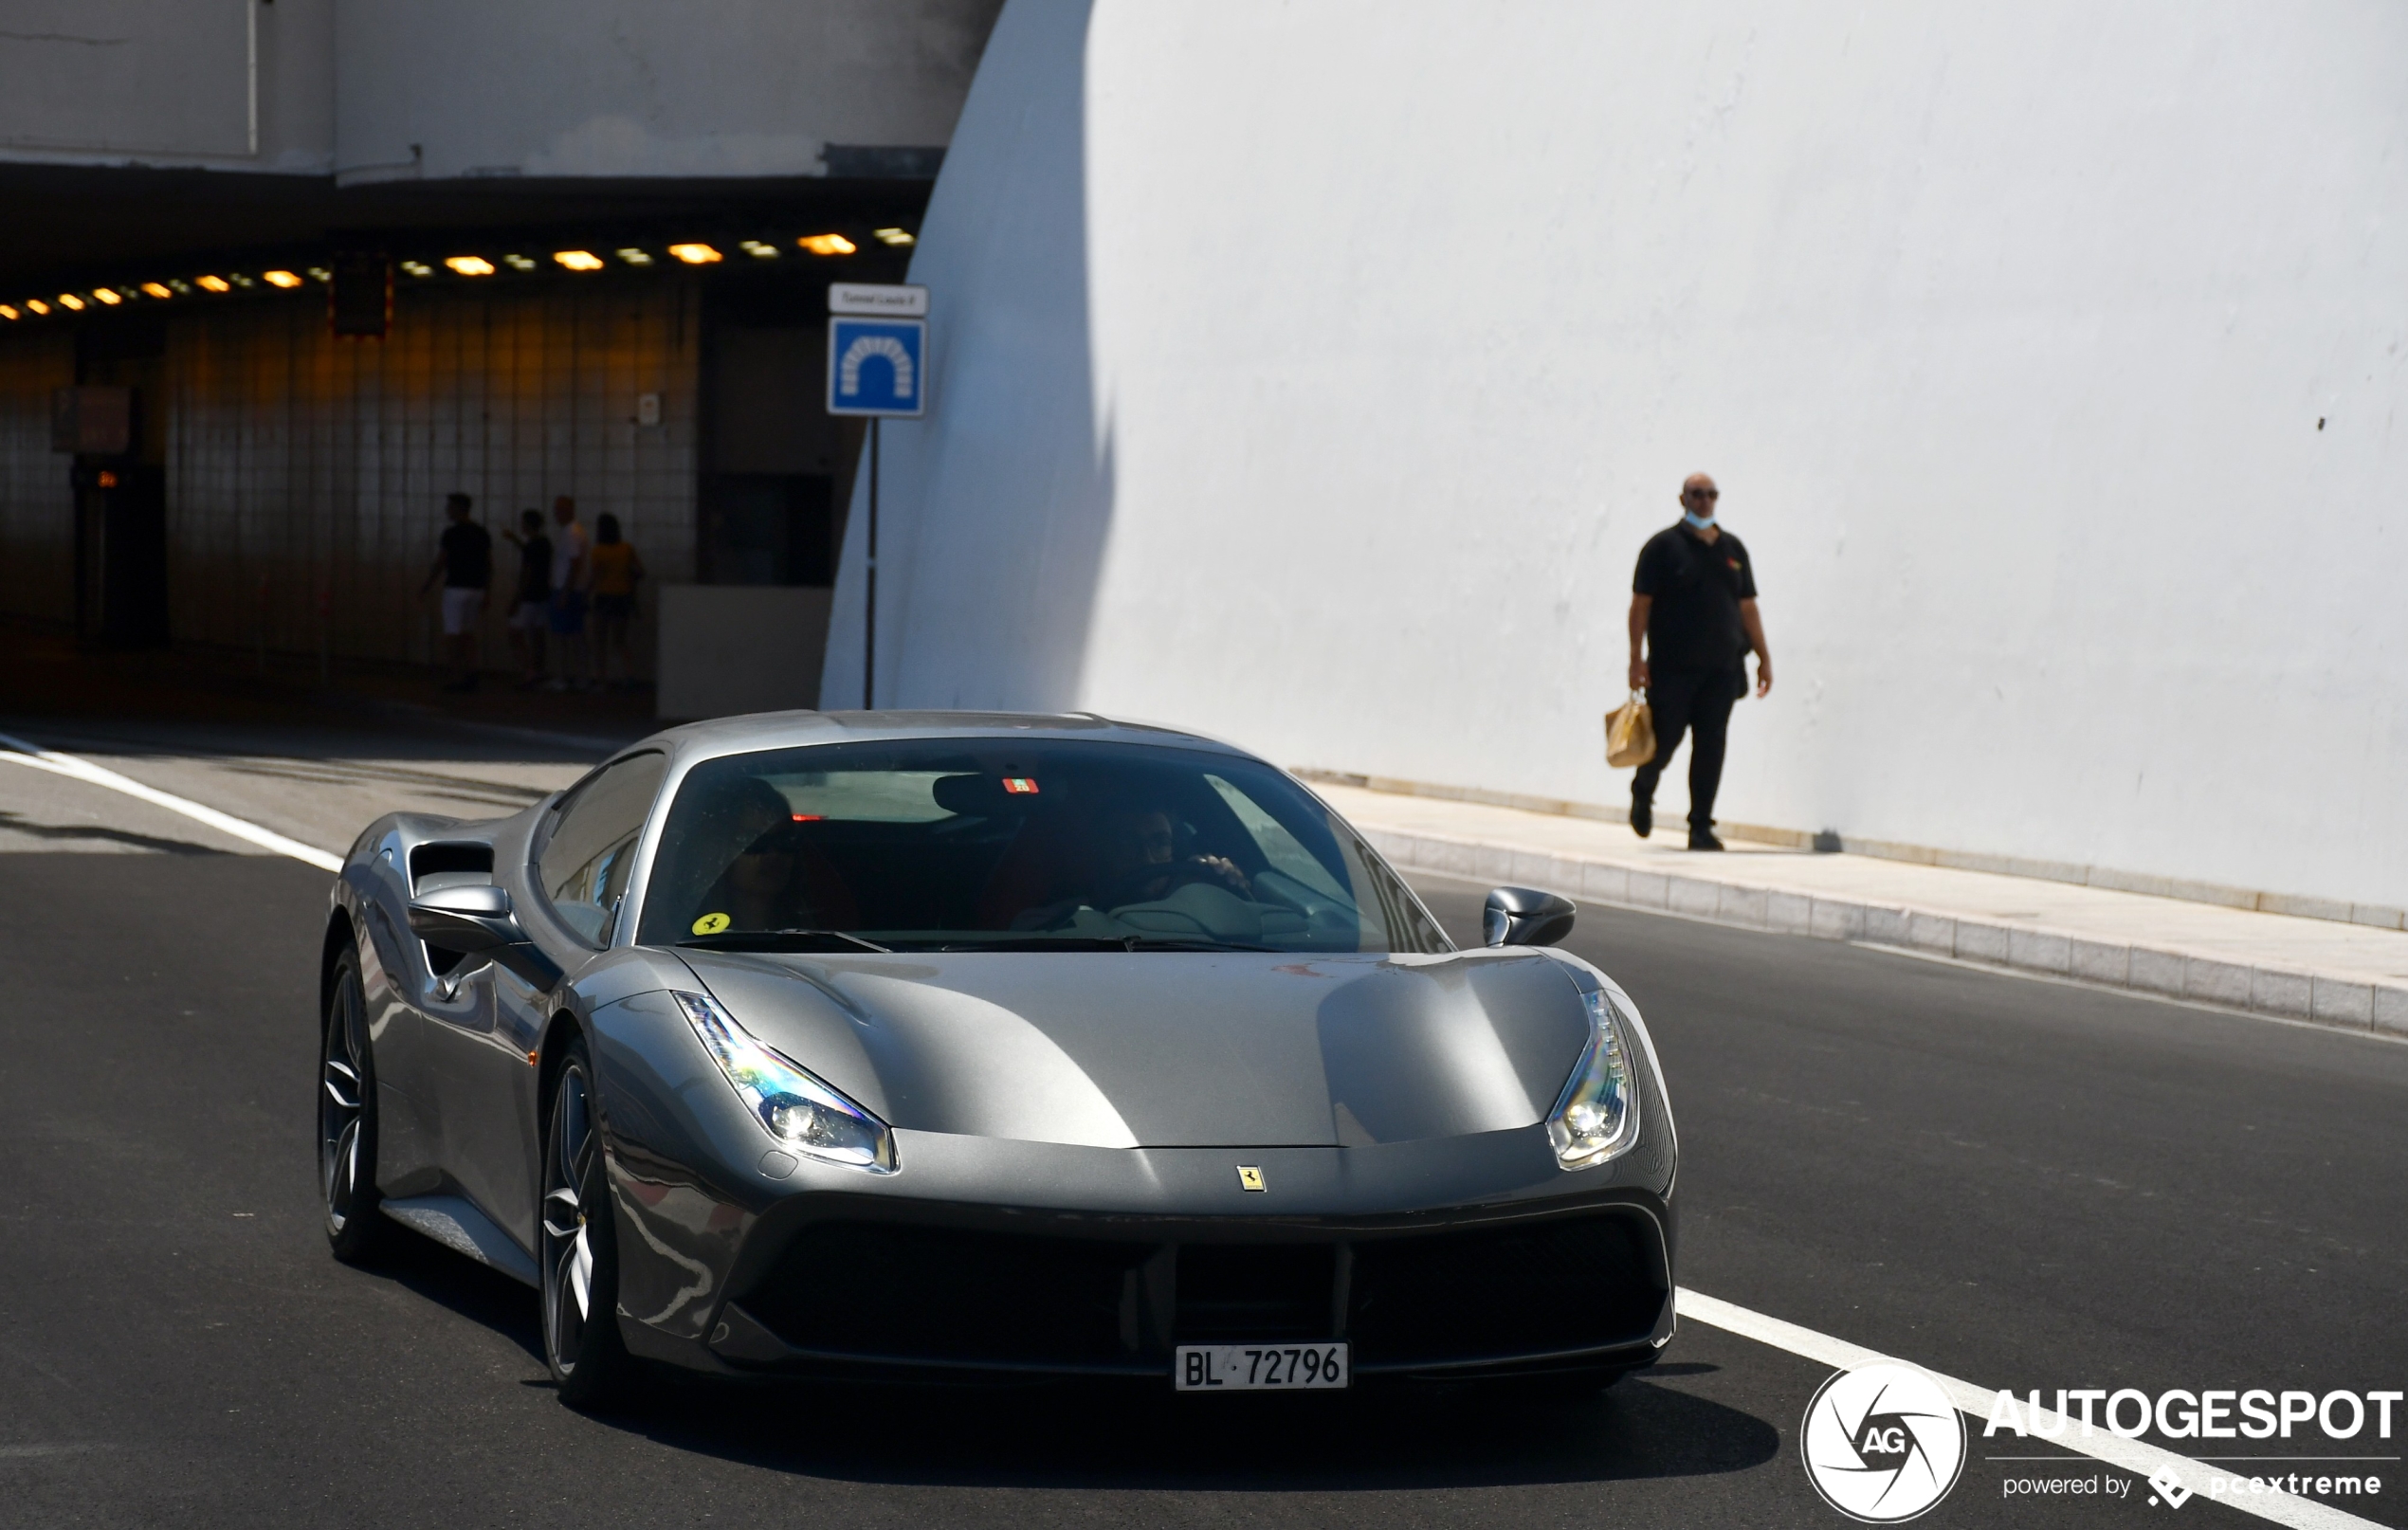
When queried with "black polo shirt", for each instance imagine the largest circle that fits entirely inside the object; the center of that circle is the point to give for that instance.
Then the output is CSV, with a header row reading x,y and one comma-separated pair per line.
x,y
1696,587
467,555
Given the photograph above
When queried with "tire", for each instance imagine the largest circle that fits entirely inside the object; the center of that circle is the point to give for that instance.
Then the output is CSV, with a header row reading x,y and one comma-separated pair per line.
x,y
347,1118
589,1360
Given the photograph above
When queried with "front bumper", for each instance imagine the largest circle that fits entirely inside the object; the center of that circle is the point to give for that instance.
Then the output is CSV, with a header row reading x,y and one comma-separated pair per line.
x,y
951,1300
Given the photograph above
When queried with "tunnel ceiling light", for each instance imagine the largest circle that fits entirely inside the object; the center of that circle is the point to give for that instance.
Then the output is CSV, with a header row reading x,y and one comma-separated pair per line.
x,y
518,262
636,257
68,299
417,269
107,298
8,312
242,281
695,254
894,236
180,284
281,279
36,305
828,244
319,273
158,289
215,284
578,260
758,251
470,264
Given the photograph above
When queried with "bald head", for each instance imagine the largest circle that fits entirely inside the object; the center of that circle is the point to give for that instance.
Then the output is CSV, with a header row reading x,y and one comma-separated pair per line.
x,y
1698,495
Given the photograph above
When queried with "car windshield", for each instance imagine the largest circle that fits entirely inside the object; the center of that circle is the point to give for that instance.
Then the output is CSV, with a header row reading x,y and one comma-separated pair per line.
x,y
1012,844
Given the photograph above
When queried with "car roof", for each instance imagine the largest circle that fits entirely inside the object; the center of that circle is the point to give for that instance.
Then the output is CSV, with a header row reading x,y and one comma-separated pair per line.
x,y
789,730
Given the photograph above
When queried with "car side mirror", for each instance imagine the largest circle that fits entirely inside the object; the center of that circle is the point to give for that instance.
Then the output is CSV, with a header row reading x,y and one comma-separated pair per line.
x,y
1526,916
478,922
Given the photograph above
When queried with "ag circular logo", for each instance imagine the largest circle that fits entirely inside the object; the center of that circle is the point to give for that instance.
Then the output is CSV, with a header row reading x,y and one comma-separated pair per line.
x,y
1882,1442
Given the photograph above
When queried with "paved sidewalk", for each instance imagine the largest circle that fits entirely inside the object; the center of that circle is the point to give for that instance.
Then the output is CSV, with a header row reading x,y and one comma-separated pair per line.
x,y
2348,976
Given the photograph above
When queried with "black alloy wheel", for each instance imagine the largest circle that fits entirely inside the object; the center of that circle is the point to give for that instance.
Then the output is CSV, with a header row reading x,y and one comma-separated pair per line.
x,y
347,1117
581,1248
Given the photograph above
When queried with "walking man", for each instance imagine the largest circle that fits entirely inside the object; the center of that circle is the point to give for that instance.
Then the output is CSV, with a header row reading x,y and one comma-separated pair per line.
x,y
533,612
463,561
1693,622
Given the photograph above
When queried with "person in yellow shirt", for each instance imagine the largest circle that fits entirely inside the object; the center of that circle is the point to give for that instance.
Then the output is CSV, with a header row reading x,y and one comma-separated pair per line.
x,y
613,569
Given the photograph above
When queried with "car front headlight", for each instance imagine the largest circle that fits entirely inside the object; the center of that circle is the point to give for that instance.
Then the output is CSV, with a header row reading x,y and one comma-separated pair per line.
x,y
798,1109
1596,1118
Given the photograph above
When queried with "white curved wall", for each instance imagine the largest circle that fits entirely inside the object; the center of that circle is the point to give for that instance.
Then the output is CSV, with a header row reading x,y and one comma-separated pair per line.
x,y
1311,375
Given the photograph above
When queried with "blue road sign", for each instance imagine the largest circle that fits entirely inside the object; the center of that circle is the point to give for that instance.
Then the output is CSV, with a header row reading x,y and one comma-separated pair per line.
x,y
875,366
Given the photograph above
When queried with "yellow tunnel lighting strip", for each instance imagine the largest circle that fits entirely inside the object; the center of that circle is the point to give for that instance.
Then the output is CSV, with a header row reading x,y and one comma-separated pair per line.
x,y
8,312
215,284
68,299
894,236
470,264
280,278
158,289
695,254
35,305
107,297
827,243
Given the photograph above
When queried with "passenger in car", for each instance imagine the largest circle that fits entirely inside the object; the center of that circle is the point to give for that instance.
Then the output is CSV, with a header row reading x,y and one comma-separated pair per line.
x,y
771,881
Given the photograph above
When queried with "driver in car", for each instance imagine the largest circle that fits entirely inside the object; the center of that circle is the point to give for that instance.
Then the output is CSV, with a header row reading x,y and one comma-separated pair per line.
x,y
1145,863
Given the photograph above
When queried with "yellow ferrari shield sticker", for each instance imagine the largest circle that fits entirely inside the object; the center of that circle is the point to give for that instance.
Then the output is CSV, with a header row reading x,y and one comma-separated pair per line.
x,y
1248,1177
710,924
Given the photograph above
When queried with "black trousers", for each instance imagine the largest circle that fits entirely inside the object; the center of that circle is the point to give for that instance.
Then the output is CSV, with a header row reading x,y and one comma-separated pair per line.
x,y
1698,703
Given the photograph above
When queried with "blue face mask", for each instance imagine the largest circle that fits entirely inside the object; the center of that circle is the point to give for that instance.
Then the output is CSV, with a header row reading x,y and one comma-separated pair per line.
x,y
1701,523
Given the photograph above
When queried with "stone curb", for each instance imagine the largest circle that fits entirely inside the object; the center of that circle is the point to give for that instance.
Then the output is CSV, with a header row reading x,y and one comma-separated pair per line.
x,y
2289,993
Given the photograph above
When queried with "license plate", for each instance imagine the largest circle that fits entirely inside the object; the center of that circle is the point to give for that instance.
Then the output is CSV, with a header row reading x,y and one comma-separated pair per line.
x,y
1260,1366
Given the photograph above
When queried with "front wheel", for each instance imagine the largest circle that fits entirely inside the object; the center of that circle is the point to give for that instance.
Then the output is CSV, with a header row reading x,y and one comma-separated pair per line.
x,y
347,1117
581,1248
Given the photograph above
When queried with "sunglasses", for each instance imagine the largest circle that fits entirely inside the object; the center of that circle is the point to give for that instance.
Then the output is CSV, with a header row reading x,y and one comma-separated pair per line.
x,y
1700,494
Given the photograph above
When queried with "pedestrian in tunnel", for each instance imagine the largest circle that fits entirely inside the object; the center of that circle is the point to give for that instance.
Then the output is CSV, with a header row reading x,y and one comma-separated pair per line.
x,y
569,574
532,612
1693,620
615,570
463,565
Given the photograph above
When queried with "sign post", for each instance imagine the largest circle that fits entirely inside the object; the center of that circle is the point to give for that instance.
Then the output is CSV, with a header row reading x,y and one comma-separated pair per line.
x,y
877,366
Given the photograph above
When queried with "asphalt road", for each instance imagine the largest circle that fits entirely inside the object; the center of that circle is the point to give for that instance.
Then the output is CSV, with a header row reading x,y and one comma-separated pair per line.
x,y
2020,1183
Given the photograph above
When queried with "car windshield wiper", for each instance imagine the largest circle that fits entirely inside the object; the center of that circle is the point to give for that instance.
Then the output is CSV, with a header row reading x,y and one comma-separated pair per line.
x,y
784,940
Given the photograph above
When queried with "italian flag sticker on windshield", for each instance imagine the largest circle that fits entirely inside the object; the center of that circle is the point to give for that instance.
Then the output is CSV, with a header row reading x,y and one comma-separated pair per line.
x,y
1020,786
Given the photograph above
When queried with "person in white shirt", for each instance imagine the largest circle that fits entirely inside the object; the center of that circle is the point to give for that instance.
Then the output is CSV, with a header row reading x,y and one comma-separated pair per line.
x,y
568,592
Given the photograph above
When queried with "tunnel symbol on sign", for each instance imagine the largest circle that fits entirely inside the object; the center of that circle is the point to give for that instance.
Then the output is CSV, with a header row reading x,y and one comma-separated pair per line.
x,y
863,347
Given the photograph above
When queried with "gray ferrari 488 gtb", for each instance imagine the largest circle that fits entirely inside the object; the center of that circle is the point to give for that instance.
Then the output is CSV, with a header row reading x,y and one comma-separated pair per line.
x,y
959,1046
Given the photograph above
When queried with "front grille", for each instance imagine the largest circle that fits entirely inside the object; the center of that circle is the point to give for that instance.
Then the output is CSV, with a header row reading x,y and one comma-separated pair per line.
x,y
1578,1284
932,1294
1237,1292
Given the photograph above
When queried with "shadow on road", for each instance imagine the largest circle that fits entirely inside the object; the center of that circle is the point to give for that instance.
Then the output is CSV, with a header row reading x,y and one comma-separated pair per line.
x,y
1150,1440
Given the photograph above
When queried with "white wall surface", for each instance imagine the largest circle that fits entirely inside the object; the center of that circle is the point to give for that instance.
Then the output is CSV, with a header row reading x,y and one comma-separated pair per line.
x,y
637,88
220,84
1312,374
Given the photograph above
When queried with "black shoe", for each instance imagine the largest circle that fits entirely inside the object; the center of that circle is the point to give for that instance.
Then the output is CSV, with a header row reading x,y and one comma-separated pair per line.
x,y
1702,839
1642,818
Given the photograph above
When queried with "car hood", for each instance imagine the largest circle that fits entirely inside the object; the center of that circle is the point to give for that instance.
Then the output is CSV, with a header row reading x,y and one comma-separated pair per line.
x,y
1171,1048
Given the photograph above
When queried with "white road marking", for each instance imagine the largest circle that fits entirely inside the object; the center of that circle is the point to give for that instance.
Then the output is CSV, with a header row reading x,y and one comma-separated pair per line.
x,y
2132,1455
25,753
